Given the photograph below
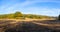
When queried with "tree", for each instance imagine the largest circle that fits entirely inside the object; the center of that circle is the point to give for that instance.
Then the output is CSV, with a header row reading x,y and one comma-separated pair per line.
x,y
59,17
18,14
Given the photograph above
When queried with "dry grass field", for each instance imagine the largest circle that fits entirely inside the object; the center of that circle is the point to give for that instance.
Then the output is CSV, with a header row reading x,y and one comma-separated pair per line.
x,y
30,26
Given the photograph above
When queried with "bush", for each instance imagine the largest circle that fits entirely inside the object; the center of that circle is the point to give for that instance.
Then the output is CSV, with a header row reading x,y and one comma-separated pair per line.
x,y
18,14
59,17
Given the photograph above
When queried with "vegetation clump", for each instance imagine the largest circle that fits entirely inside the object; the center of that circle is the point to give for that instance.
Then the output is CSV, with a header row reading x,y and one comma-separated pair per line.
x,y
59,17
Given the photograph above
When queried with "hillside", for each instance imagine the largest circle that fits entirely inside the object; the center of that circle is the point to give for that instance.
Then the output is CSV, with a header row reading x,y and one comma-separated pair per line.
x,y
19,15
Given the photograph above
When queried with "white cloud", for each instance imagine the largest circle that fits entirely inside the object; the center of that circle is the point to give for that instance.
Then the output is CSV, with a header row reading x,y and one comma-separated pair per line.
x,y
43,11
30,2
33,10
57,1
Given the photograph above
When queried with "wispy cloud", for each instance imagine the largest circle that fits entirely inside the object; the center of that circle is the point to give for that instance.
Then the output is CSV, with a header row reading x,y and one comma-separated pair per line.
x,y
43,11
45,7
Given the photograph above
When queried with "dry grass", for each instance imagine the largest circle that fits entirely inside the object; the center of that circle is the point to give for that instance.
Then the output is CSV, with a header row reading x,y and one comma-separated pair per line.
x,y
27,26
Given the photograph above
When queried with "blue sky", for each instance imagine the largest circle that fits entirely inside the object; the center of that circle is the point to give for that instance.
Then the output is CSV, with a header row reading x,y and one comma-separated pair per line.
x,y
40,7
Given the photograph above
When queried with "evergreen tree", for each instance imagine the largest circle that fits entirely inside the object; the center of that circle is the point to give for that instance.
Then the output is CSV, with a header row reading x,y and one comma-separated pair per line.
x,y
59,17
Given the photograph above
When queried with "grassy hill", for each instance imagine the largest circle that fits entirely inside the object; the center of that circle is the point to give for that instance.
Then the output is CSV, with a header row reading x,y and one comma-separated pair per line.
x,y
19,15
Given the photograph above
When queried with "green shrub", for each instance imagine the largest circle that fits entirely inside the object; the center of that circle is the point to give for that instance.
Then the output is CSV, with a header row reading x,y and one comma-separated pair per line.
x,y
59,17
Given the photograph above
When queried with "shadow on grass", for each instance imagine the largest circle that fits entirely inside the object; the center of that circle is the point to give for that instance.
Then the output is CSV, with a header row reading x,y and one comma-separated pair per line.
x,y
23,26
49,21
29,27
